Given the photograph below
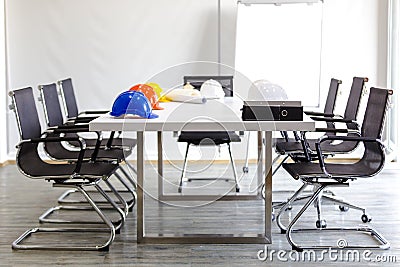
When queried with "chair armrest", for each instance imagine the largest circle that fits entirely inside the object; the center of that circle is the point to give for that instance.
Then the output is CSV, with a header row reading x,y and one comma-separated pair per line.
x,y
82,146
333,120
83,119
313,113
94,112
70,126
69,130
335,130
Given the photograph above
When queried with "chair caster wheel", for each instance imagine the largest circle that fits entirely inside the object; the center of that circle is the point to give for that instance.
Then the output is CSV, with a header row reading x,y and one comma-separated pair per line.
x,y
343,208
245,169
289,208
179,190
117,231
237,189
283,231
320,224
365,218
272,217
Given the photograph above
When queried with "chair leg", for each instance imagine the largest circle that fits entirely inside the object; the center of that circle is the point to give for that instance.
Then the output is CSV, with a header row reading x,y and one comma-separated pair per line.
x,y
130,166
280,164
183,169
234,169
384,244
102,247
63,199
126,174
286,206
117,224
246,162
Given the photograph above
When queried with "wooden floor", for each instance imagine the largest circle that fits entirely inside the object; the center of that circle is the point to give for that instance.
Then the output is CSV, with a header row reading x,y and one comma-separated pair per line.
x,y
23,200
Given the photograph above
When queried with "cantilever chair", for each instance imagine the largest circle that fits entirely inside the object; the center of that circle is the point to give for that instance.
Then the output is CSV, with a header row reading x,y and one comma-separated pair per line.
x,y
54,120
304,150
73,115
77,175
287,146
321,175
209,138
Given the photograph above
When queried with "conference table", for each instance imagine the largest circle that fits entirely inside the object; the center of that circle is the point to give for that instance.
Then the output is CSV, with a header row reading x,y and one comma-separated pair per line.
x,y
214,115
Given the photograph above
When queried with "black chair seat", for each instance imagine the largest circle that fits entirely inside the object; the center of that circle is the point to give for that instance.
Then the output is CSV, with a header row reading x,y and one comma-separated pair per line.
x,y
208,138
359,169
293,147
30,163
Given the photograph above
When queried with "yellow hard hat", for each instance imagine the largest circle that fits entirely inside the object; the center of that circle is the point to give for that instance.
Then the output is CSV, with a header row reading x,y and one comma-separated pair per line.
x,y
156,88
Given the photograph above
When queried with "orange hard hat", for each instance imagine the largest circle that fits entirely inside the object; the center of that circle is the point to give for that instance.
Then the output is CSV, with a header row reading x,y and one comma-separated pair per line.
x,y
149,93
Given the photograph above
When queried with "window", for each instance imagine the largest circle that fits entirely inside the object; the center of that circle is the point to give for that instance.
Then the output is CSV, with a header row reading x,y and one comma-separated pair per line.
x,y
283,45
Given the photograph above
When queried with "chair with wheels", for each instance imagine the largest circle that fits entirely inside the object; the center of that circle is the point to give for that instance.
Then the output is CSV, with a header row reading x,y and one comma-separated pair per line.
x,y
321,175
296,150
286,146
304,150
209,138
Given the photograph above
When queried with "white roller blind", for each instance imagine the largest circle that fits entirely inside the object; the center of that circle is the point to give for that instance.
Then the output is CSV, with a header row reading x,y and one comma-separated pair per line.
x,y
283,45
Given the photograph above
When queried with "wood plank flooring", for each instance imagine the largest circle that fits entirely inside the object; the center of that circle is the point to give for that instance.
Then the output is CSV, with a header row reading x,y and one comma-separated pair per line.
x,y
23,200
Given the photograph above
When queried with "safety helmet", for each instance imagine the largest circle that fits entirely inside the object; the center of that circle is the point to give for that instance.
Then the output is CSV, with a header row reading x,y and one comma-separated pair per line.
x,y
148,91
132,102
212,89
156,87
265,90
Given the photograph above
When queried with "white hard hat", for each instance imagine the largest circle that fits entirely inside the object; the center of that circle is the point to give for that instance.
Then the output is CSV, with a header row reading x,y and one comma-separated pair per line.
x,y
212,89
265,90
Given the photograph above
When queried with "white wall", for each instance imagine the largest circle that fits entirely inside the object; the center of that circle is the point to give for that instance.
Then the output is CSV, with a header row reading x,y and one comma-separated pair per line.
x,y
107,46
3,91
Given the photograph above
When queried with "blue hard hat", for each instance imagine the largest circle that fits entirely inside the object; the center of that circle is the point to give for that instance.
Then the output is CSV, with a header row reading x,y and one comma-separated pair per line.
x,y
132,102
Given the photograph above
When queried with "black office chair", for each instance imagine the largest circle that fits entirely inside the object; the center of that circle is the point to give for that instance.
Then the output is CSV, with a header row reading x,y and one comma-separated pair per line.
x,y
304,150
321,175
73,115
54,120
77,175
286,146
209,138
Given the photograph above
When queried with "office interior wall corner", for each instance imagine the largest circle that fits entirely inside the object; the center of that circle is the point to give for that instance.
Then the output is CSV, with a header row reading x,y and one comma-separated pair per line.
x,y
3,85
228,15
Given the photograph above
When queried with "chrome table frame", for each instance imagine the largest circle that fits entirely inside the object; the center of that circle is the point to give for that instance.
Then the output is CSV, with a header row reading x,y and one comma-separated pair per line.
x,y
231,121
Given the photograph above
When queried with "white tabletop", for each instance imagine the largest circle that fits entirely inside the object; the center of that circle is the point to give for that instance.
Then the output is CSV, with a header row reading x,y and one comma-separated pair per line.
x,y
215,115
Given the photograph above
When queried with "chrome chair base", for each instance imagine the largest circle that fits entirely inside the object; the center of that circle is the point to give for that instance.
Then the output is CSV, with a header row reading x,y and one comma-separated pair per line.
x,y
315,199
131,201
17,244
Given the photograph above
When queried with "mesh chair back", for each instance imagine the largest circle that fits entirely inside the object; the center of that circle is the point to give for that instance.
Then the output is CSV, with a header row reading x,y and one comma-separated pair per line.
x,y
354,100
374,156
51,105
332,94
68,98
225,81
375,113
26,113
